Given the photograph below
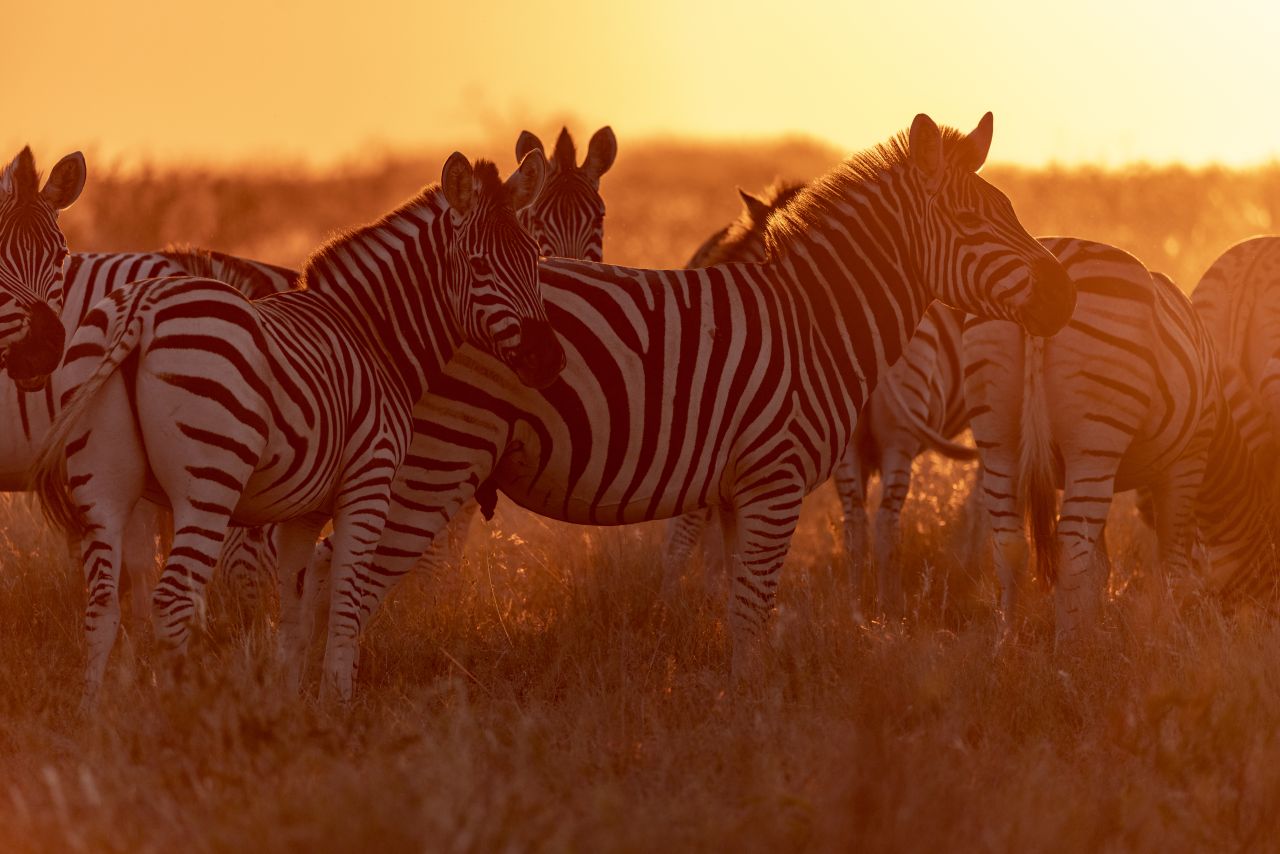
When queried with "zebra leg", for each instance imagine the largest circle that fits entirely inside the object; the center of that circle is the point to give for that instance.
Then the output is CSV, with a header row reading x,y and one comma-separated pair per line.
x,y
1086,500
682,536
715,563
998,494
1174,503
140,561
760,529
297,577
851,486
200,527
105,470
895,475
448,550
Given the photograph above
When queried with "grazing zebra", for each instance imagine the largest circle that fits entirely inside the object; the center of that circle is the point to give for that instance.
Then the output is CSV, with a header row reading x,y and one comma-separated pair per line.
x,y
1238,298
1130,394
734,386
33,253
294,408
919,402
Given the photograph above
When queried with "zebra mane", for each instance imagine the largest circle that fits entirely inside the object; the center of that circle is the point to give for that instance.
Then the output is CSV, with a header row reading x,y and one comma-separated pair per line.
x,y
492,191
20,177
721,246
565,156
820,199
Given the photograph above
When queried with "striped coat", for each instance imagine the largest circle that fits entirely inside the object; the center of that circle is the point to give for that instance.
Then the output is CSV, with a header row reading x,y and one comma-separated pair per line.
x,y
736,386
918,404
294,408
1130,394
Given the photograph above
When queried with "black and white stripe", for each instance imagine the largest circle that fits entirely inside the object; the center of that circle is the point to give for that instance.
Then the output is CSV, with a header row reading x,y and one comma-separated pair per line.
x,y
735,386
294,408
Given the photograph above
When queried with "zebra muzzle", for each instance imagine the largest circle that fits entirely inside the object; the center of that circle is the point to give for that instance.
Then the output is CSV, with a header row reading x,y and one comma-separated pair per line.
x,y
539,358
1052,301
32,359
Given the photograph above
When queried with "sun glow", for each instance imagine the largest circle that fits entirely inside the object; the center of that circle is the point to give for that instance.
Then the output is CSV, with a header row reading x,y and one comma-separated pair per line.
x,y
1105,82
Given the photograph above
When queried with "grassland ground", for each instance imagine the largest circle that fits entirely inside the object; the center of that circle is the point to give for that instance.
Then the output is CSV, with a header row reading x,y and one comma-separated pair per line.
x,y
535,698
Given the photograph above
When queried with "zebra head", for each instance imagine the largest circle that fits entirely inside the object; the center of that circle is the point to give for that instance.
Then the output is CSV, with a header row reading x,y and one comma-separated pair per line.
x,y
32,254
492,274
744,238
567,218
975,252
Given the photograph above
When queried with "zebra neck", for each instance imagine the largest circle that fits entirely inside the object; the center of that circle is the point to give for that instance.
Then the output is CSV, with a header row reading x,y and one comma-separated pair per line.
x,y
386,286
853,271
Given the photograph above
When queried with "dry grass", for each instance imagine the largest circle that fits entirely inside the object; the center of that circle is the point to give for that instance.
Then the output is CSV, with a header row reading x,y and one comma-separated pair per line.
x,y
535,699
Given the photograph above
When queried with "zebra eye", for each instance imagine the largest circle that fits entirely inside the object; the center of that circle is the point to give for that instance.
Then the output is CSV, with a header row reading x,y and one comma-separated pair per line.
x,y
480,266
969,219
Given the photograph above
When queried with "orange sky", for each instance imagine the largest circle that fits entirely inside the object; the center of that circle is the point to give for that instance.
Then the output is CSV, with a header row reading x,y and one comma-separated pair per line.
x,y
1109,81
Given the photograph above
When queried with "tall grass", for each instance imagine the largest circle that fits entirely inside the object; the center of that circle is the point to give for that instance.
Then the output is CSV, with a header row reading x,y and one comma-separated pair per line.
x,y
535,697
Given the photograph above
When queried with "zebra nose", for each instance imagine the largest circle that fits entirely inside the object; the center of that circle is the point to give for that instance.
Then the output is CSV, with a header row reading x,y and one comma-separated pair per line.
x,y
37,355
539,358
1053,299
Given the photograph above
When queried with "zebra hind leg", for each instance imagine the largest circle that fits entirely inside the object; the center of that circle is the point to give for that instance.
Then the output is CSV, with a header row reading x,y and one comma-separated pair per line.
x,y
299,566
682,535
851,486
895,474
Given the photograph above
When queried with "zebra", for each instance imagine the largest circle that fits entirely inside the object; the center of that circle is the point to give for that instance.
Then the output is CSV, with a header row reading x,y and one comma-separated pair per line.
x,y
89,277
734,386
294,408
1238,298
919,402
33,253
1131,393
567,221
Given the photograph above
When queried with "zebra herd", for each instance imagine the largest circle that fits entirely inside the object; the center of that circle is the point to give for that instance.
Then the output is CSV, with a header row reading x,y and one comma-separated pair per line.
x,y
472,341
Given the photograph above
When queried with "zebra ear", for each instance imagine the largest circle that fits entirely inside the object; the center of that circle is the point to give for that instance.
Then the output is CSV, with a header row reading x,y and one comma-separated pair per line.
x,y
756,208
525,183
926,151
976,145
526,143
457,182
65,182
601,152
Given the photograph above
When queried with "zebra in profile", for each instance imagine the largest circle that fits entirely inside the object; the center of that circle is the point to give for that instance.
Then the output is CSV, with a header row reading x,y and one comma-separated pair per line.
x,y
33,253
567,221
735,386
294,408
918,403
1131,394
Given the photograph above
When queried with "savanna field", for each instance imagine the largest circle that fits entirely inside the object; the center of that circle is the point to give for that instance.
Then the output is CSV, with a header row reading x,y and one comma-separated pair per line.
x,y
534,696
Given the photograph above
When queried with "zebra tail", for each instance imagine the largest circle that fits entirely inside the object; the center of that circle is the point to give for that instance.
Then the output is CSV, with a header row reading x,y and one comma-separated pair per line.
x,y
1037,492
49,472
922,430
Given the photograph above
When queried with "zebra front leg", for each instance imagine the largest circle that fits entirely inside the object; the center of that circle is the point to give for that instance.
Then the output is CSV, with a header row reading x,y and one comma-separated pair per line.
x,y
895,477
759,529
449,549
682,536
851,486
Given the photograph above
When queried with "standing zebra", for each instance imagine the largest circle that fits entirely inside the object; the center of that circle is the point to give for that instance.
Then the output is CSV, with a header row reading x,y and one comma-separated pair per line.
x,y
294,408
25,416
1238,298
567,221
734,386
918,403
33,253
1130,394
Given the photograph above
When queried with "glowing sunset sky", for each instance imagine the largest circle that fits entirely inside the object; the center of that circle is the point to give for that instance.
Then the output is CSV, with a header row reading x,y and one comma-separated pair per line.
x,y
1107,81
